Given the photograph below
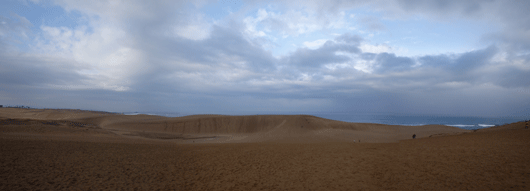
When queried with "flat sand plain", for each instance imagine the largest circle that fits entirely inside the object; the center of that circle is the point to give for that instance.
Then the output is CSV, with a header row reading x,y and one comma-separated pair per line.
x,y
82,150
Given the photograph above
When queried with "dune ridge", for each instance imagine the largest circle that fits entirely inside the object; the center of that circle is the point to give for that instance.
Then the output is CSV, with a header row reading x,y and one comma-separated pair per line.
x,y
248,128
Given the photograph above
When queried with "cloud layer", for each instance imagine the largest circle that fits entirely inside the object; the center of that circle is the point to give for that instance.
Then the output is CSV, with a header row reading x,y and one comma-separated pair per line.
x,y
170,56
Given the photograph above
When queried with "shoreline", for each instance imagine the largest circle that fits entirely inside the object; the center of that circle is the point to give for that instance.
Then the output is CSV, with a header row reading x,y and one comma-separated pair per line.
x,y
405,120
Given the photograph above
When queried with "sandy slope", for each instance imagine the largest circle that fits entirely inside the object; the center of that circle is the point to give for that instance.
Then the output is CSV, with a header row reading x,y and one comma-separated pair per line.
x,y
79,150
223,129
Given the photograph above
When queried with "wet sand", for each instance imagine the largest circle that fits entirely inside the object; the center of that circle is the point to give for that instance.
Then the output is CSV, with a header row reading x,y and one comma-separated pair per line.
x,y
79,152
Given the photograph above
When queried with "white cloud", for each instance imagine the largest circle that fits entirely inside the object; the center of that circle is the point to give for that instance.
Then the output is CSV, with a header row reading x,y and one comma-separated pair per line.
x,y
365,66
104,56
193,32
195,28
159,48
378,48
292,22
14,30
315,44
253,22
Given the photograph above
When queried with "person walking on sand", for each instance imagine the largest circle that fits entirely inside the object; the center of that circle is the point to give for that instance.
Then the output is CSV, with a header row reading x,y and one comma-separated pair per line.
x,y
526,125
414,136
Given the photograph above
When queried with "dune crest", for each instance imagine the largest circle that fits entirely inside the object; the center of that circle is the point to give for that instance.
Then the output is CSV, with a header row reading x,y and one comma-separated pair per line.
x,y
250,128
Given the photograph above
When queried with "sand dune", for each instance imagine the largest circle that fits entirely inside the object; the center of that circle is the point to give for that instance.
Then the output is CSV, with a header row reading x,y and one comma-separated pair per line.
x,y
81,150
224,129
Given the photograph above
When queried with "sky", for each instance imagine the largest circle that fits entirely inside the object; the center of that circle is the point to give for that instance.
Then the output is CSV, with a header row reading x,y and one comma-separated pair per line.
x,y
406,57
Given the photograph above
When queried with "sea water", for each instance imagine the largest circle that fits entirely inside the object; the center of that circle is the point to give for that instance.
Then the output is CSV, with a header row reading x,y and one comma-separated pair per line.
x,y
388,119
411,120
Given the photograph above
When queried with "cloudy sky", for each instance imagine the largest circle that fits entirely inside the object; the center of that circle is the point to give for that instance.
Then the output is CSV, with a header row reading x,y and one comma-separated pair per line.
x,y
410,57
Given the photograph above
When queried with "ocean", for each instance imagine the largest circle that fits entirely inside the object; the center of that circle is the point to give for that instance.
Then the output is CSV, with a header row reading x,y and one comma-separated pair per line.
x,y
389,119
460,122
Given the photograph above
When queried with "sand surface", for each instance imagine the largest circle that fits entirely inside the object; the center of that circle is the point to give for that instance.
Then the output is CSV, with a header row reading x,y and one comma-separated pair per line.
x,y
74,149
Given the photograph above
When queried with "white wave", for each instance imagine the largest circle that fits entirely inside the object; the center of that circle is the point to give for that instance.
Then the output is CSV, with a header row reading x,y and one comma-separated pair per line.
x,y
485,125
461,126
138,114
413,124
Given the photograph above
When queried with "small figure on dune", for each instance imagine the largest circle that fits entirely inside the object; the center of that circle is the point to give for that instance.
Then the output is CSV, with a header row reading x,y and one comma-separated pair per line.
x,y
414,136
526,125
